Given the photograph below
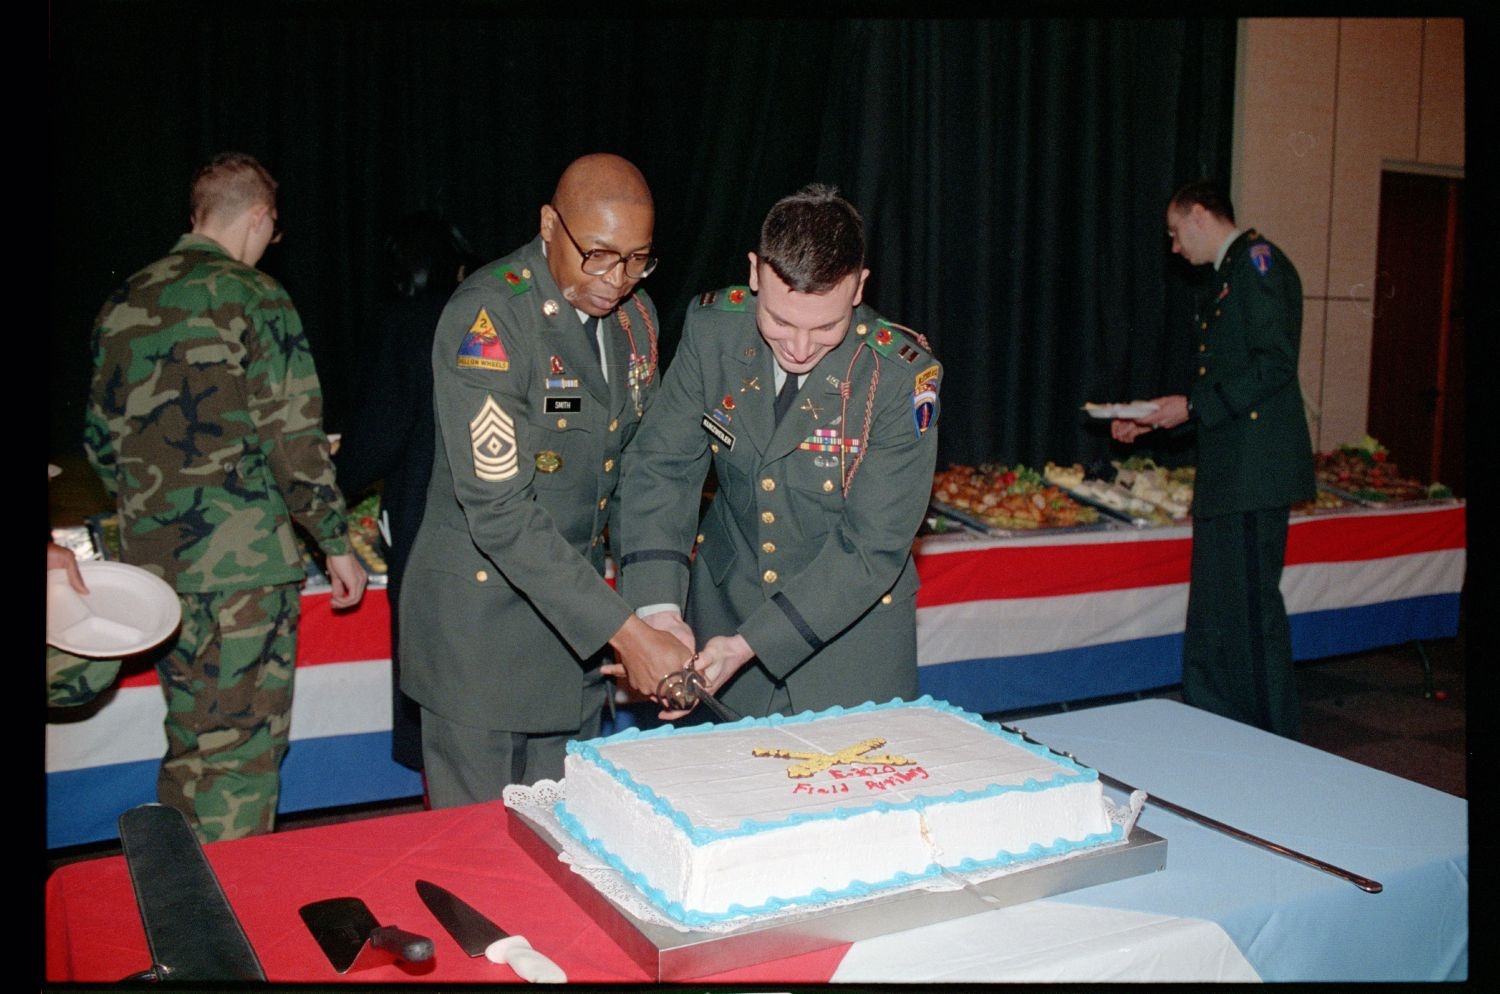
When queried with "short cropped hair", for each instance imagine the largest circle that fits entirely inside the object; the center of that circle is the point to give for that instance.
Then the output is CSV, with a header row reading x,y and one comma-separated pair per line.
x,y
813,239
228,185
1210,194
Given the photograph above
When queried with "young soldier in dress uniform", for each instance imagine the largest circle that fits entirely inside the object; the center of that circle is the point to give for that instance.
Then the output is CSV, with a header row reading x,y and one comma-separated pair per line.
x,y
543,363
1254,463
802,584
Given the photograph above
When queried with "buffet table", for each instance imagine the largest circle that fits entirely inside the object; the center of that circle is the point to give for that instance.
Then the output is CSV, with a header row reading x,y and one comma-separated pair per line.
x,y
1220,910
1002,624
1034,619
102,759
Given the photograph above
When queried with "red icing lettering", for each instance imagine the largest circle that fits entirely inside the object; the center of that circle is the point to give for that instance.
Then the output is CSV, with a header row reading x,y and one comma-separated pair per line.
x,y
861,772
809,788
897,778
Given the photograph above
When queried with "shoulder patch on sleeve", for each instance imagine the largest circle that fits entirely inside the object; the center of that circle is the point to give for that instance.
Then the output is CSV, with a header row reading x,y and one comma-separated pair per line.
x,y
481,347
492,439
519,282
924,398
1260,257
897,342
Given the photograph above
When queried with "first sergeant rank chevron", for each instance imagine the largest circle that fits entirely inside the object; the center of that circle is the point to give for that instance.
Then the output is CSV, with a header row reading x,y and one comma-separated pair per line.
x,y
492,436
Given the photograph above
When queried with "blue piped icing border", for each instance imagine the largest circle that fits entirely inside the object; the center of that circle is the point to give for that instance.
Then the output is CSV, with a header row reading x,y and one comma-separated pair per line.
x,y
858,888
700,835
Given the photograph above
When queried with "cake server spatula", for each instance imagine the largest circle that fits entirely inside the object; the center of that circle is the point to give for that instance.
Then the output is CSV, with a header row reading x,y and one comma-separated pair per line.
x,y
344,927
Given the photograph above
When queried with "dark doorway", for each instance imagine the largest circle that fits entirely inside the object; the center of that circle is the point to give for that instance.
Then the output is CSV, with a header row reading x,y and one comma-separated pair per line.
x,y
1417,354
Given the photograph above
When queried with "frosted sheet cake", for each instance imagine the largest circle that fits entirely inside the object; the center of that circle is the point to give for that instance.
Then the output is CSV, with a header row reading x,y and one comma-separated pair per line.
x,y
716,822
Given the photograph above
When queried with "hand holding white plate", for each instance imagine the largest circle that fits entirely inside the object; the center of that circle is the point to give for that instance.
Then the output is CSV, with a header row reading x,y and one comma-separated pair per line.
x,y
127,610
1129,411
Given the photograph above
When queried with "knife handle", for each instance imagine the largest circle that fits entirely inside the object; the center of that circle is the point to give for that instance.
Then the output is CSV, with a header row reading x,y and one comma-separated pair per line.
x,y
515,952
406,945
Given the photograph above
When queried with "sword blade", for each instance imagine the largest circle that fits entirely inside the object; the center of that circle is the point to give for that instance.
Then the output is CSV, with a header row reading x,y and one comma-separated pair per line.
x,y
712,703
1362,882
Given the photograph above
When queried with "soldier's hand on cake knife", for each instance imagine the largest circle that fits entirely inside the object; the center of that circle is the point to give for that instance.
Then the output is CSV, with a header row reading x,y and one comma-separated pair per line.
x,y
644,656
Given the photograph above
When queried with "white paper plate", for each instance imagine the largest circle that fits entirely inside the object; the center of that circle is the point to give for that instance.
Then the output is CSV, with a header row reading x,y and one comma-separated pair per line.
x,y
127,610
1134,409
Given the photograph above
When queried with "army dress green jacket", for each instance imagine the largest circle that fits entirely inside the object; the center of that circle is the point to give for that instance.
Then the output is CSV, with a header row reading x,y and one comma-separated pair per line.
x,y
820,582
504,606
1254,450
205,424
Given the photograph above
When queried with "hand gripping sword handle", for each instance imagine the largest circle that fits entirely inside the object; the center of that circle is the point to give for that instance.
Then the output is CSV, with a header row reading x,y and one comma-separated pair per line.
x,y
686,689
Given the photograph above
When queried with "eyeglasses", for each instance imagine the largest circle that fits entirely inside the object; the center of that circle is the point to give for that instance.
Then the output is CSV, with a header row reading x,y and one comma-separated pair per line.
x,y
599,262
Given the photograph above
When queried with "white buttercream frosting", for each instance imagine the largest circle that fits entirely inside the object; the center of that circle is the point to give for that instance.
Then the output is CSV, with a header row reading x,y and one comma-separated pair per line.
x,y
709,830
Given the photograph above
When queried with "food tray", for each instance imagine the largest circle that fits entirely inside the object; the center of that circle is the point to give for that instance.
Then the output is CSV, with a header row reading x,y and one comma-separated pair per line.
x,y
669,954
970,521
1357,501
1120,514
1313,511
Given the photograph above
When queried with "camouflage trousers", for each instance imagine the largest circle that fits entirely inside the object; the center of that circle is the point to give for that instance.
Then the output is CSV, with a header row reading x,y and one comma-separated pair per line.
x,y
228,685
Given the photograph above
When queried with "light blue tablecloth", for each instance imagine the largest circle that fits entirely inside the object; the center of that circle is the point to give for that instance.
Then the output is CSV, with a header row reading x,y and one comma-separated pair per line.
x,y
1292,922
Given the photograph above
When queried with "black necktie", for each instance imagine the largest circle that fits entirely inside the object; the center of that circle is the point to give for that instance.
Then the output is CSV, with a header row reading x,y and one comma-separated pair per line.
x,y
591,331
785,395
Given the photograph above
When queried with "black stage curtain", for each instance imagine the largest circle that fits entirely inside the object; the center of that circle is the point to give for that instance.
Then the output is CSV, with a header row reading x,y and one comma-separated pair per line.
x,y
1013,173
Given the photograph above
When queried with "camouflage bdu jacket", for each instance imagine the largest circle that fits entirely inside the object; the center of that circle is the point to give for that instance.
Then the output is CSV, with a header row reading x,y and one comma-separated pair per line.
x,y
205,424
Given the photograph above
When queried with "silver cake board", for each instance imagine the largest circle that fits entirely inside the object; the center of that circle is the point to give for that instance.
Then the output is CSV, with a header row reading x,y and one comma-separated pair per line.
x,y
669,954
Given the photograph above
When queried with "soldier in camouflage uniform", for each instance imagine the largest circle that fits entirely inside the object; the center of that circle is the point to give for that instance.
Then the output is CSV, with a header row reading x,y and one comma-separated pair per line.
x,y
75,680
205,424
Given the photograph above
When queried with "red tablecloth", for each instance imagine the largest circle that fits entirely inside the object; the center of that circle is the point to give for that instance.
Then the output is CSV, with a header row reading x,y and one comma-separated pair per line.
x,y
94,933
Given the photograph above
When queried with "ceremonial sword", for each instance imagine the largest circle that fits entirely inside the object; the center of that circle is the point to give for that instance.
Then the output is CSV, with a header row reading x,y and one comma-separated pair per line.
x,y
1363,883
686,688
